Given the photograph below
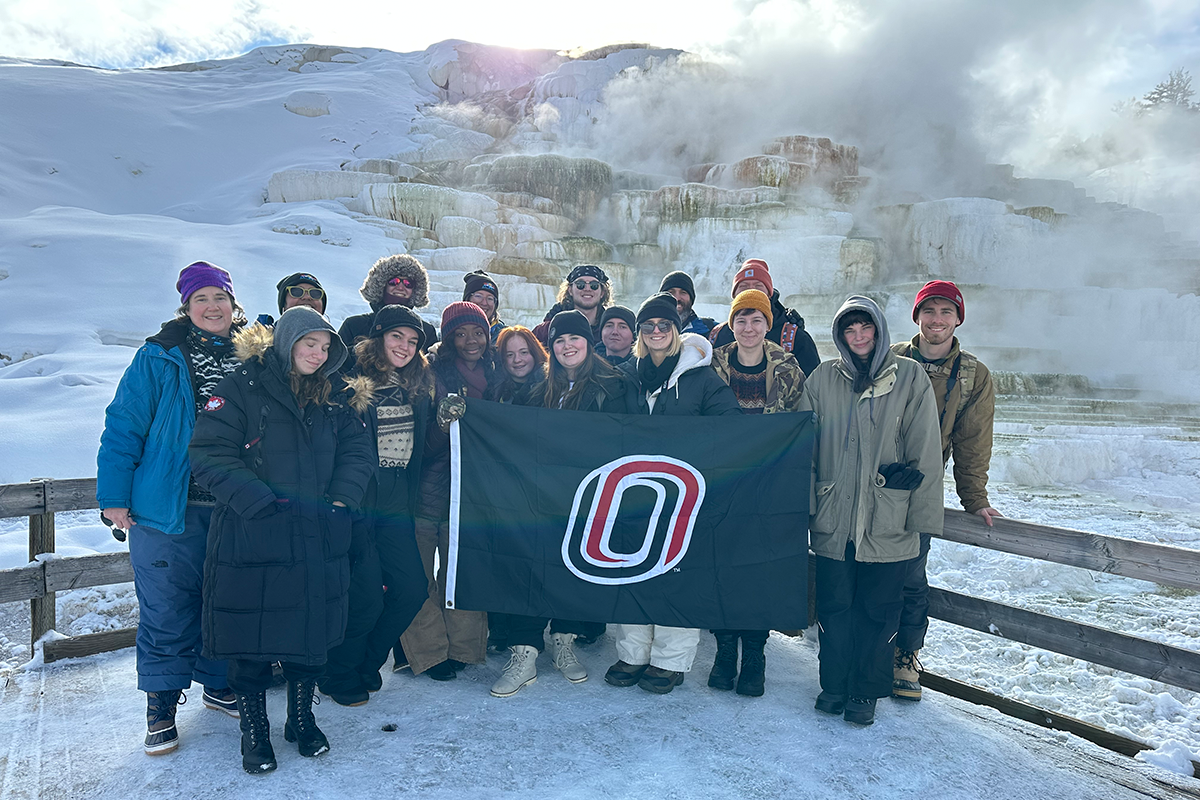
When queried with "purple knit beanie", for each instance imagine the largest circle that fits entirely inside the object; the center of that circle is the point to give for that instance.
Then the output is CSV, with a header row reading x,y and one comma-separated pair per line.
x,y
200,274
455,315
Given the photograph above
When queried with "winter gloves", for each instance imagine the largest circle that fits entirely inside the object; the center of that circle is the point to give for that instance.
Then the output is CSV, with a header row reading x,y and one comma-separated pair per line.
x,y
900,476
452,407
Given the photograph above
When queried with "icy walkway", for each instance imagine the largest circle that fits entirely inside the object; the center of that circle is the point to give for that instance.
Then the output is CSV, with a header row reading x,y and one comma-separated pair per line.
x,y
73,730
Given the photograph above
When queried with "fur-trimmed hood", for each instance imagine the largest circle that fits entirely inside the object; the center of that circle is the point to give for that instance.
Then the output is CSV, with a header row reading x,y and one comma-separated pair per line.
x,y
362,392
398,266
255,341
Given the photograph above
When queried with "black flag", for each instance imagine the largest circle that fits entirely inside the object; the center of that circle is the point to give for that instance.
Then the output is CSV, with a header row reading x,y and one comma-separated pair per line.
x,y
694,522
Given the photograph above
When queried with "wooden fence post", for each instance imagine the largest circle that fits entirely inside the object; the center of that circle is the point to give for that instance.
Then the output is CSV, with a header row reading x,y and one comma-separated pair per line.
x,y
42,615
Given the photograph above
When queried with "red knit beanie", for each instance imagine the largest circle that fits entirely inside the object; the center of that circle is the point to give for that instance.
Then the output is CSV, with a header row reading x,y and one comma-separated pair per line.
x,y
753,269
455,315
944,289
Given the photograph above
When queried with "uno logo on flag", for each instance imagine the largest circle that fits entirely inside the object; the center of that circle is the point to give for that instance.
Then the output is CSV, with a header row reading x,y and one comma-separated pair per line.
x,y
588,549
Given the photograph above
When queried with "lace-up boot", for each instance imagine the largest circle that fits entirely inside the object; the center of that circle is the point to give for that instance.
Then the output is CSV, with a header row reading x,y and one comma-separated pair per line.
x,y
257,754
724,669
519,672
301,726
564,657
906,675
161,735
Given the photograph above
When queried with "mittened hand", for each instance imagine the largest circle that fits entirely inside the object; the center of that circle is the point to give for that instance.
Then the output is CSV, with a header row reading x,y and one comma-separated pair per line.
x,y
452,407
901,476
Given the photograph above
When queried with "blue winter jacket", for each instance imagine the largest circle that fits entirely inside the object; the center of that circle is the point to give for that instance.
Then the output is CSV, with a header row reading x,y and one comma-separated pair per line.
x,y
143,460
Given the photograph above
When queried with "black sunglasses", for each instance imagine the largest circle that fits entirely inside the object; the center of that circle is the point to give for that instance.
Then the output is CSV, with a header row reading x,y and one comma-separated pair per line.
x,y
663,325
593,285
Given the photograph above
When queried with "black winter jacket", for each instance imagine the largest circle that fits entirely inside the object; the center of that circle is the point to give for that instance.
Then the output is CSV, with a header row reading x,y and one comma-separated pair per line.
x,y
803,347
275,586
694,388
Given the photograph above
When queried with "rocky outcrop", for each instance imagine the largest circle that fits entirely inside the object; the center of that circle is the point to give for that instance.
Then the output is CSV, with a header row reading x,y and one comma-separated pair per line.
x,y
577,185
421,205
304,185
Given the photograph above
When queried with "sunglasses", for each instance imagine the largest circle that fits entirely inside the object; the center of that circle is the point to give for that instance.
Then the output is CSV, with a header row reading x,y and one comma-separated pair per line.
x,y
299,291
662,326
593,285
405,282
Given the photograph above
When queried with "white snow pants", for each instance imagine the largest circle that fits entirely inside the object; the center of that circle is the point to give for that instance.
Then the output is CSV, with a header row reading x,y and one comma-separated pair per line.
x,y
657,645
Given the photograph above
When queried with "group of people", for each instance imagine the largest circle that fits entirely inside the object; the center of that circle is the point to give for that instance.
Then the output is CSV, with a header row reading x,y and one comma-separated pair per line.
x,y
286,485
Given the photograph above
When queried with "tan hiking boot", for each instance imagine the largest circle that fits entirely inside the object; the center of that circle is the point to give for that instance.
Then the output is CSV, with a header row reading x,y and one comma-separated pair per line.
x,y
906,675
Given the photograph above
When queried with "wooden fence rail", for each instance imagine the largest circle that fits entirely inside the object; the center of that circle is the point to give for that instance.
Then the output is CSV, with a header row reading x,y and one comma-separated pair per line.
x,y
1173,566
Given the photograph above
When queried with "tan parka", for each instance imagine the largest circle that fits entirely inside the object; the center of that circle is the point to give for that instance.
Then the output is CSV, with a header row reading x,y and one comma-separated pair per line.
x,y
893,420
967,427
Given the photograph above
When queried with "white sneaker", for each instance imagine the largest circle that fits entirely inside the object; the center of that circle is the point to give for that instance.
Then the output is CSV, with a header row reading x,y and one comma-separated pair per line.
x,y
564,657
519,672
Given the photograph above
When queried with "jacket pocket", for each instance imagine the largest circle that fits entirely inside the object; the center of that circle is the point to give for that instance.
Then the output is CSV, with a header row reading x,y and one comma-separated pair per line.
x,y
264,541
824,516
890,517
338,529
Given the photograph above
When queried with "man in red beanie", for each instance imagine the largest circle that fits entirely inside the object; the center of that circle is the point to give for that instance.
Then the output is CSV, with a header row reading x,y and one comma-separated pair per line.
x,y
966,405
788,328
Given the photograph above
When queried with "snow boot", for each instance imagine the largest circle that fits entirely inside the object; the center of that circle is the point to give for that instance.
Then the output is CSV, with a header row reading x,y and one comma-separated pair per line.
x,y
442,671
519,672
831,703
660,681
752,678
564,657
161,735
221,700
906,675
301,726
257,754
622,674
372,681
860,710
345,689
724,669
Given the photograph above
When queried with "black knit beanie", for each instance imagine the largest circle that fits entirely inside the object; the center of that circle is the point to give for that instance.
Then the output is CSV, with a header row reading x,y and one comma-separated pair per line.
x,y
390,317
679,280
660,306
295,279
568,322
621,313
480,281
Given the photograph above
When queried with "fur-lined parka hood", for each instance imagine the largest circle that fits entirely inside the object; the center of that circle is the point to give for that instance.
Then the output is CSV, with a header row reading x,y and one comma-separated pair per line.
x,y
398,266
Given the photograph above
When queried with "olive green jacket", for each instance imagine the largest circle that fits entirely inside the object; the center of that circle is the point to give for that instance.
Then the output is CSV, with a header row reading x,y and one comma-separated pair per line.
x,y
967,427
894,420
785,378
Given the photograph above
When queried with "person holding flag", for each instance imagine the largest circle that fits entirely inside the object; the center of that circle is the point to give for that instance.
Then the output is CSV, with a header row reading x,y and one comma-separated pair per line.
x,y
674,376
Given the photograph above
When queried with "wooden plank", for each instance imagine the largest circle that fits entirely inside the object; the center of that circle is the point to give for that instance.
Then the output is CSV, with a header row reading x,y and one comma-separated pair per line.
x,y
89,644
1038,716
1160,662
1157,563
73,494
42,614
22,583
22,499
79,572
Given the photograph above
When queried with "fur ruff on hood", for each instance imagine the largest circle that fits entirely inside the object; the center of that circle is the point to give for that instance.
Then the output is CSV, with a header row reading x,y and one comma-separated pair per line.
x,y
362,392
253,342
399,266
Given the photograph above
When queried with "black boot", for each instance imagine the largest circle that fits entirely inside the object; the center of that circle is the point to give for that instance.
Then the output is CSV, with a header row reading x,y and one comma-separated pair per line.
x,y
752,678
301,725
724,668
257,754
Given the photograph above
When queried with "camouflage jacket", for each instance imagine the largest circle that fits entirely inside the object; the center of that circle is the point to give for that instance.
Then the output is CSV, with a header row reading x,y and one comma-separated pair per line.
x,y
785,379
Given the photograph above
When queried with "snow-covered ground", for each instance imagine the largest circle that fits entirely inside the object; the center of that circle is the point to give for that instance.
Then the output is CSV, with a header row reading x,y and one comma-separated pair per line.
x,y
110,182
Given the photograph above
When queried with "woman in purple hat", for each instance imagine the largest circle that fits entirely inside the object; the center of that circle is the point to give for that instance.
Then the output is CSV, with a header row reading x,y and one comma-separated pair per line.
x,y
144,485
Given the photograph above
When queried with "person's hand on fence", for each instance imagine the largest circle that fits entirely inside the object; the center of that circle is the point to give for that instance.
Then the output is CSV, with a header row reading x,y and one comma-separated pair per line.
x,y
452,407
901,476
988,515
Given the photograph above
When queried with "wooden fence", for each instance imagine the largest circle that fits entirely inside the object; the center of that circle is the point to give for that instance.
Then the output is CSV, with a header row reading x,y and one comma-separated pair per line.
x,y
1171,566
